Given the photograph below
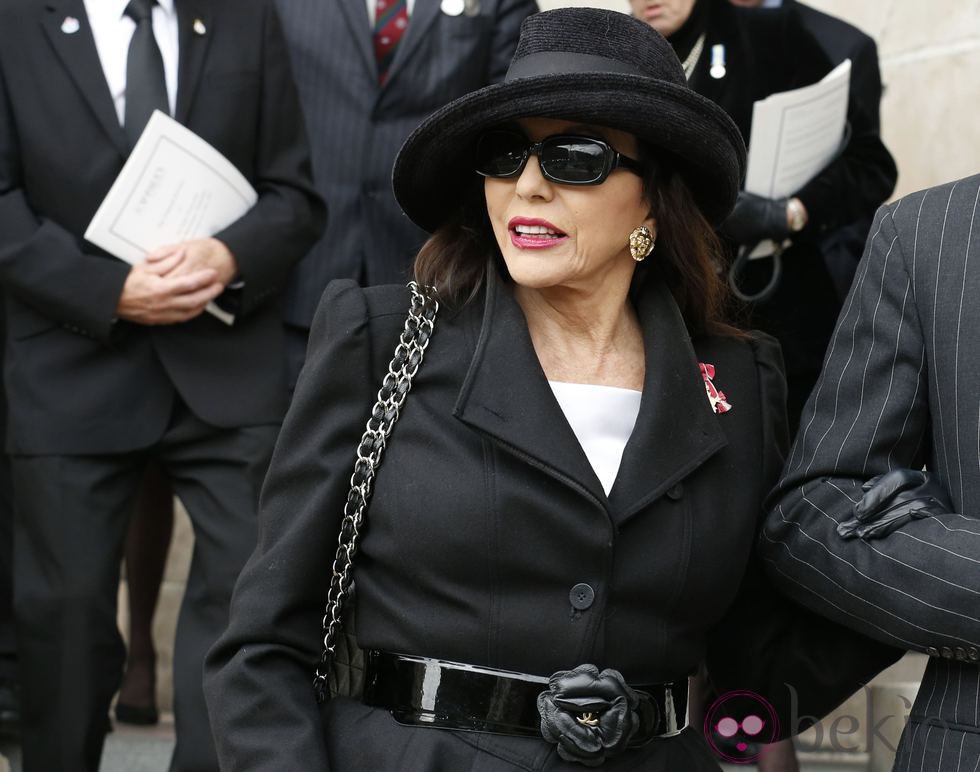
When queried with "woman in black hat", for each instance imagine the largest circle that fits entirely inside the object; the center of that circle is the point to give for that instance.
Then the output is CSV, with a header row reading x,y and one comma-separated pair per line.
x,y
562,526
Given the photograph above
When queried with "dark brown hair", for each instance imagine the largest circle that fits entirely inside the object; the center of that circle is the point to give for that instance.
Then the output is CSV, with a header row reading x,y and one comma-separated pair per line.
x,y
687,257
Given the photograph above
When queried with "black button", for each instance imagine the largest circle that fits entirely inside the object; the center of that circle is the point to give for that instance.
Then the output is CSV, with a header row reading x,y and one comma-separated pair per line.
x,y
581,596
973,654
960,653
675,493
932,651
947,652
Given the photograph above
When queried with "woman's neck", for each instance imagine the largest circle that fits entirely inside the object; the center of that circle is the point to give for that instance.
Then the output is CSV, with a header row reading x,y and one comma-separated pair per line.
x,y
584,337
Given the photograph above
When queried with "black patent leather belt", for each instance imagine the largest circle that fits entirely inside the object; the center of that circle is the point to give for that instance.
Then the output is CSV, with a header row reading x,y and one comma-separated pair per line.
x,y
450,695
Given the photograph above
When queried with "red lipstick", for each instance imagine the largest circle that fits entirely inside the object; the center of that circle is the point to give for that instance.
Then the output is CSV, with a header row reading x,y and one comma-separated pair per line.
x,y
534,233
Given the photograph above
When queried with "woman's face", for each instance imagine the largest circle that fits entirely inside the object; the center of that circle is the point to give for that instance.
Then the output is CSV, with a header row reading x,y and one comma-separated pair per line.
x,y
665,16
573,236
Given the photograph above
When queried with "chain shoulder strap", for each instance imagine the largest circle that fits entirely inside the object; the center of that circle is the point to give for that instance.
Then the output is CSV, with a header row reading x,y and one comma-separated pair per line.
x,y
397,382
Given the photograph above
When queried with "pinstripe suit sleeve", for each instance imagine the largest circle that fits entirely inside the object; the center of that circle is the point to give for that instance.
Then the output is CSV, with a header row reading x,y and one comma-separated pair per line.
x,y
919,587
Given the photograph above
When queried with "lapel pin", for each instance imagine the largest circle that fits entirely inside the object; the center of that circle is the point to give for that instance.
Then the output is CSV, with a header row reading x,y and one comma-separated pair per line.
x,y
199,27
70,25
716,397
452,7
718,69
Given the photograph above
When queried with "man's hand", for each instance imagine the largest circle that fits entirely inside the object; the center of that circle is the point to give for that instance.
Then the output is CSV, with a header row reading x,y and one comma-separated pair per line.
x,y
756,218
198,254
154,293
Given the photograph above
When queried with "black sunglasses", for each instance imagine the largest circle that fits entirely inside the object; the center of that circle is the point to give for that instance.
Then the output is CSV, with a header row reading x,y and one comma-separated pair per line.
x,y
566,159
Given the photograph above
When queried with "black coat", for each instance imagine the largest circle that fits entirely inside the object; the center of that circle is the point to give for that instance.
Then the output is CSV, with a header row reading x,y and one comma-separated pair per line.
x,y
77,381
768,51
486,513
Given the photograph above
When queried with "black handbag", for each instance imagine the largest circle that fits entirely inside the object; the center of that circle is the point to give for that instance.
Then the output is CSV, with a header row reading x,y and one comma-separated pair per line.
x,y
340,671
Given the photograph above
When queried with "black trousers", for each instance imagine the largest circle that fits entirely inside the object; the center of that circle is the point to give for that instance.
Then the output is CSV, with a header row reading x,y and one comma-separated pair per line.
x,y
8,648
71,517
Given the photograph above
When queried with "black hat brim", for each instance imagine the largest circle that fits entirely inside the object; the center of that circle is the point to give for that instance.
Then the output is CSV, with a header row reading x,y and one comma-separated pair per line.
x,y
436,161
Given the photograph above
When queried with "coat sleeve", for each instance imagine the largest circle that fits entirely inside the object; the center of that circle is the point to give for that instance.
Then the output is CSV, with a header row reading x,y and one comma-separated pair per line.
x,y
259,675
853,185
802,664
41,263
918,587
289,215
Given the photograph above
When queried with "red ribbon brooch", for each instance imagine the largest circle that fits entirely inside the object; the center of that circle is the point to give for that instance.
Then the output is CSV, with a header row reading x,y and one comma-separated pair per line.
x,y
719,402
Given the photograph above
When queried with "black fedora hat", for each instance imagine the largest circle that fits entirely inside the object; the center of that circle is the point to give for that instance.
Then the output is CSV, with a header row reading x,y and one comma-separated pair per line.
x,y
583,64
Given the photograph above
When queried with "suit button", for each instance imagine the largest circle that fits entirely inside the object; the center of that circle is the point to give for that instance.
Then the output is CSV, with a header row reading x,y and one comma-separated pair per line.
x,y
960,653
582,596
973,654
932,651
947,652
675,493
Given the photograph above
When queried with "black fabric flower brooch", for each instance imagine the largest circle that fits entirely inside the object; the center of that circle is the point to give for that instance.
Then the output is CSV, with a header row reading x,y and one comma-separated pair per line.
x,y
588,714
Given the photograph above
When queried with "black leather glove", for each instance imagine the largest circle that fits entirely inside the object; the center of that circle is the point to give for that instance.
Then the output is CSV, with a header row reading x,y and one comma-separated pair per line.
x,y
893,499
755,218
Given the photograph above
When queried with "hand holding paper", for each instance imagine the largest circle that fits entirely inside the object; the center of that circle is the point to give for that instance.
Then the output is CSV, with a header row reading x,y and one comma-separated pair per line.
x,y
151,297
174,189
195,255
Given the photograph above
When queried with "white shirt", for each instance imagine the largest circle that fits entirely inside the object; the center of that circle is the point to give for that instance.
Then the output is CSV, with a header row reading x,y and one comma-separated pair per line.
x,y
113,29
372,7
602,418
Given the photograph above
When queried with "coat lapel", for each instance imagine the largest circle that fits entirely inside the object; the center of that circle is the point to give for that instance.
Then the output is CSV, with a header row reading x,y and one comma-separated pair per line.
x,y
424,15
194,34
356,15
676,430
506,396
78,54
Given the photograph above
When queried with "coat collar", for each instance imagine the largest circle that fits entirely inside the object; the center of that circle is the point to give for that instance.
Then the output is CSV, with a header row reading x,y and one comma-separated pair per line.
x,y
424,15
356,15
506,396
78,54
194,33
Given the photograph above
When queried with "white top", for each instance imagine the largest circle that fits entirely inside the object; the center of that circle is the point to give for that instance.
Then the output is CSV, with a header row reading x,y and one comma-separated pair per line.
x,y
602,418
113,29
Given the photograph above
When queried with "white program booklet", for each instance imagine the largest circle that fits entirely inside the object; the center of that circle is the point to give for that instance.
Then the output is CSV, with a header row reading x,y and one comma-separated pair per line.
x,y
795,134
173,187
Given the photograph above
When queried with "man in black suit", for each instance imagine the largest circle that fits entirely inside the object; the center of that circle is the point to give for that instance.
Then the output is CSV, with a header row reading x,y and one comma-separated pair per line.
x,y
109,365
898,391
842,246
735,57
360,109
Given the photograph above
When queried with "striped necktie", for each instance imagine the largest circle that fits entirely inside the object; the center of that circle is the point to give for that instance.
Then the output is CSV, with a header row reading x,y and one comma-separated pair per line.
x,y
390,22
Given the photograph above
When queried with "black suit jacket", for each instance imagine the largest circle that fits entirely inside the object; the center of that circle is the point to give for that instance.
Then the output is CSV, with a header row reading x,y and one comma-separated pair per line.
x,y
356,125
899,390
486,513
78,381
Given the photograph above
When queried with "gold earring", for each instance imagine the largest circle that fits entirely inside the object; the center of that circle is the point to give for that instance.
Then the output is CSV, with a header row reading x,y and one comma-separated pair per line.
x,y
641,243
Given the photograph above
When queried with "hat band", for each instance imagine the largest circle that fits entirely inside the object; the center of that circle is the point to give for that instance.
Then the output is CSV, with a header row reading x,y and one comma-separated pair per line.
x,y
564,62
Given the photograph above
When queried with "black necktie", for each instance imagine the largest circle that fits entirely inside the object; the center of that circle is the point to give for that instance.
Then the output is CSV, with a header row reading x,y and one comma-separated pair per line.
x,y
146,84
